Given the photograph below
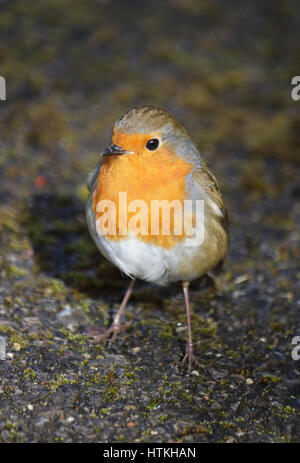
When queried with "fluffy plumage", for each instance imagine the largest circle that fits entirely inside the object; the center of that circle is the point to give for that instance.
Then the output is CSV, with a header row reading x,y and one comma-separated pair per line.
x,y
173,171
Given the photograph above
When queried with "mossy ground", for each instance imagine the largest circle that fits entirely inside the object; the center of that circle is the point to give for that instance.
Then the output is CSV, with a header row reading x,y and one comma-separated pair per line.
x,y
224,69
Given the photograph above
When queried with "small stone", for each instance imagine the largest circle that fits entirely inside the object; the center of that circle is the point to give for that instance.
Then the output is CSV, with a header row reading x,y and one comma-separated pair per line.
x,y
70,419
65,313
229,440
10,355
130,407
41,421
113,359
180,329
71,327
16,346
5,435
238,293
131,424
71,317
241,279
196,373
30,407
136,350
249,381
2,348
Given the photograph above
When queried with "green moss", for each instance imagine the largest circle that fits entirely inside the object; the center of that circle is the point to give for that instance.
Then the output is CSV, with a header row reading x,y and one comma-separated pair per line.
x,y
166,332
16,272
289,410
204,327
285,412
111,394
233,354
271,378
188,396
58,382
204,428
29,373
151,405
6,329
131,375
164,418
18,342
76,338
55,288
82,192
227,424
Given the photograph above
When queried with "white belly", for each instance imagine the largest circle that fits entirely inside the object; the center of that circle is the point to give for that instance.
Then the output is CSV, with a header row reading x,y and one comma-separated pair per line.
x,y
156,264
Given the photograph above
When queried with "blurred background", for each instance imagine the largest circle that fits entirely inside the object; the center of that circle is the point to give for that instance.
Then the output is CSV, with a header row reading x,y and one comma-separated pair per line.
x,y
73,67
224,69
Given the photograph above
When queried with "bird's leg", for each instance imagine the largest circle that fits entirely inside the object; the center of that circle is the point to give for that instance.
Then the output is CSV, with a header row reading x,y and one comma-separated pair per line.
x,y
116,327
189,356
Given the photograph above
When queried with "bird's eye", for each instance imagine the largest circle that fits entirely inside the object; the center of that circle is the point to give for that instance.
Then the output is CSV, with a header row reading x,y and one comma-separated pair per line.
x,y
152,144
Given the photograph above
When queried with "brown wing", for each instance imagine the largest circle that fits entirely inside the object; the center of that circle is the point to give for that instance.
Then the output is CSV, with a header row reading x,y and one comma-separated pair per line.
x,y
207,181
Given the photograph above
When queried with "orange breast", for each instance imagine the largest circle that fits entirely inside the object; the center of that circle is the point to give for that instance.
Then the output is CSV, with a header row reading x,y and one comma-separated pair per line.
x,y
143,175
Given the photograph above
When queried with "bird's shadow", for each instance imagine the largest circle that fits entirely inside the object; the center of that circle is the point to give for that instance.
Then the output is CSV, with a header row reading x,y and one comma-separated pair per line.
x,y
63,249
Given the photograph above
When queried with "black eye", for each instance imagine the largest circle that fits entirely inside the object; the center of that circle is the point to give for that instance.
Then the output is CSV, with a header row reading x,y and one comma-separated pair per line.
x,y
152,144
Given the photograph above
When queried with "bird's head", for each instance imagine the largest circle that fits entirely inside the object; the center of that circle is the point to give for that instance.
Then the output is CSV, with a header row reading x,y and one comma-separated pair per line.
x,y
146,131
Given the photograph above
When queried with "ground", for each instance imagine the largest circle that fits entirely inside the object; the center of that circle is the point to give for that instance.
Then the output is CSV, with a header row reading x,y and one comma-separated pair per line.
x,y
225,71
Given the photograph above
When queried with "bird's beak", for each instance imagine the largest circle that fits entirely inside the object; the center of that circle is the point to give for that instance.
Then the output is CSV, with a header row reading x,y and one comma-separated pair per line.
x,y
113,150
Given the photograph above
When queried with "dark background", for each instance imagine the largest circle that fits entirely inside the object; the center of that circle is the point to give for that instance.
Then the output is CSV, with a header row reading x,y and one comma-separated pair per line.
x,y
224,69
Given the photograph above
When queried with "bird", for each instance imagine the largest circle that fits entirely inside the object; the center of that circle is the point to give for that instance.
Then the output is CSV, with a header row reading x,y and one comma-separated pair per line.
x,y
152,160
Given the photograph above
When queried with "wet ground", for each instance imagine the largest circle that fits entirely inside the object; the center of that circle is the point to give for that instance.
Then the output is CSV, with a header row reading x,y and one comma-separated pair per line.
x,y
224,70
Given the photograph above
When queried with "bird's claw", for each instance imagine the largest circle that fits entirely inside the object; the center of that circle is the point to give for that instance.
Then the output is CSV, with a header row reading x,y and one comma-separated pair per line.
x,y
113,330
190,360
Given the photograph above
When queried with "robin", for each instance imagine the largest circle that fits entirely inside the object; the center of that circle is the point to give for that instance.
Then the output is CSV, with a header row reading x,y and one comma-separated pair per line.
x,y
153,161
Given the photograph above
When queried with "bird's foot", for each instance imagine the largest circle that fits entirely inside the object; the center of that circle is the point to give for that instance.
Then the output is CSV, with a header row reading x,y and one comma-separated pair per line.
x,y
189,359
113,330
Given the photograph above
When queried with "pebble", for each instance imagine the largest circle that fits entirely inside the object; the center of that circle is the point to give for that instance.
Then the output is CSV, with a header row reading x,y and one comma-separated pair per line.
x,y
249,381
41,421
66,312
241,279
135,350
70,419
